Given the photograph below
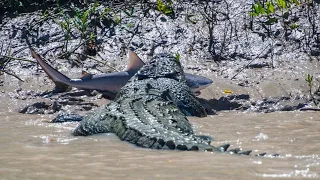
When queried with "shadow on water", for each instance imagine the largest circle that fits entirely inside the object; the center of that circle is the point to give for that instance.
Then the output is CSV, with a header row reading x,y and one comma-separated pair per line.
x,y
243,102
232,102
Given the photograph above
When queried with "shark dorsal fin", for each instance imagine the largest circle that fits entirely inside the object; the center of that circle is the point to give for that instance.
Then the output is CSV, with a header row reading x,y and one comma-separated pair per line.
x,y
85,75
135,63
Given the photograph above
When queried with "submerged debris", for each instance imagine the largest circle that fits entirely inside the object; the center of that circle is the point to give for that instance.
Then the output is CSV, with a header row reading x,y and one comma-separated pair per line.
x,y
41,108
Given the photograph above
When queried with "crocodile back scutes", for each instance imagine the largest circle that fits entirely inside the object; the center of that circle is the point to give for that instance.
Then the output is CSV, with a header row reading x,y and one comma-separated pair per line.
x,y
162,65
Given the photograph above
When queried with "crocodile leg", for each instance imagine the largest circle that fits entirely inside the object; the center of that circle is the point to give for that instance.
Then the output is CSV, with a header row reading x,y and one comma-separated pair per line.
x,y
186,100
97,122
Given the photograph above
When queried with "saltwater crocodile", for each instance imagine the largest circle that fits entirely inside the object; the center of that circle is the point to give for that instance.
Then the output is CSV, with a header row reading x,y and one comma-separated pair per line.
x,y
150,110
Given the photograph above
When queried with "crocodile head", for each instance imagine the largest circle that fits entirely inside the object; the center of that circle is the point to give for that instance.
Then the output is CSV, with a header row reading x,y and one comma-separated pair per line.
x,y
162,65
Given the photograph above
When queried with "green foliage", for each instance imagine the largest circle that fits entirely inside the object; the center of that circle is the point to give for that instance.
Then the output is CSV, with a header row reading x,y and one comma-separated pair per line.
x,y
271,21
20,3
294,26
177,56
66,26
309,80
117,19
282,4
269,7
188,19
165,8
91,37
275,11
84,22
130,25
81,20
45,14
296,2
258,9
105,12
109,13
129,13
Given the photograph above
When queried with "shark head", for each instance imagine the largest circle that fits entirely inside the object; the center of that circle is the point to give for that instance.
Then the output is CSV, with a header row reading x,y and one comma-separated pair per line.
x,y
197,83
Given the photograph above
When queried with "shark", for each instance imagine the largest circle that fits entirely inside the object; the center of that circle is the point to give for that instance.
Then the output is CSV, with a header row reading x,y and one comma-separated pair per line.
x,y
109,84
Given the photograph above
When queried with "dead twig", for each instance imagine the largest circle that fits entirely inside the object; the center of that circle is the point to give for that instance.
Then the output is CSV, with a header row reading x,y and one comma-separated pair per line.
x,y
71,51
246,66
19,59
11,74
95,59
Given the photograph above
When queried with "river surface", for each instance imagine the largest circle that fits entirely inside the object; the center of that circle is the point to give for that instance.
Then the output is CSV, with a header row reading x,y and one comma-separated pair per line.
x,y
32,148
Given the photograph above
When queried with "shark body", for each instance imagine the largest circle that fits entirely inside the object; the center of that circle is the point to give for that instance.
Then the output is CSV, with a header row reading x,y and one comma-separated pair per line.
x,y
109,84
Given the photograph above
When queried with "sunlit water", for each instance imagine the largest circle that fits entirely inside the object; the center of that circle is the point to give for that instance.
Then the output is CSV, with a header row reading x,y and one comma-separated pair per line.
x,y
31,148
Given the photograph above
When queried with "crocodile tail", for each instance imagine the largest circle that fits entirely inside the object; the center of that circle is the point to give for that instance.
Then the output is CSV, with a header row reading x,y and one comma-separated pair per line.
x,y
154,140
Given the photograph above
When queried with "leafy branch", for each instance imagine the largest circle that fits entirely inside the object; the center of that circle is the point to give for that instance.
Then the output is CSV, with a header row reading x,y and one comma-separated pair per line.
x,y
309,80
165,7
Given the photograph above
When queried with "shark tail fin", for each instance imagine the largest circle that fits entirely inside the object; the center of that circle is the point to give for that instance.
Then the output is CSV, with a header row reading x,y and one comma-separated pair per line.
x,y
60,80
135,63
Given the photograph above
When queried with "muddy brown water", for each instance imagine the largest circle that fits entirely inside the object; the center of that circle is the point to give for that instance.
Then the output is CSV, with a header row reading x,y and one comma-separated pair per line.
x,y
32,148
